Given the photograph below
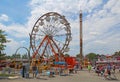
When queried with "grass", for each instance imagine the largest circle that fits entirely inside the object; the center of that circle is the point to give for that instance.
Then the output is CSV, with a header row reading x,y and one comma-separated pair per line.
x,y
6,75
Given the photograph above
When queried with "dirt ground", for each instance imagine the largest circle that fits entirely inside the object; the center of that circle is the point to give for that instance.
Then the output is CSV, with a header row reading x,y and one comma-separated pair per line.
x,y
81,76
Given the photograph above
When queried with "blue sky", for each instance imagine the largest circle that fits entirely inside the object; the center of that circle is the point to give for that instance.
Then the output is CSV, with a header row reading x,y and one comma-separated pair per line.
x,y
101,22
16,10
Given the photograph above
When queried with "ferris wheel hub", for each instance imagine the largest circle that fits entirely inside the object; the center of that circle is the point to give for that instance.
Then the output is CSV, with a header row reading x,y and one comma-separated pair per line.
x,y
50,37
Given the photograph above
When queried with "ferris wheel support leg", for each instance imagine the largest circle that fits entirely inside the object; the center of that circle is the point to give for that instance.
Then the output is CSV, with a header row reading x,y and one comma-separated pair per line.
x,y
36,52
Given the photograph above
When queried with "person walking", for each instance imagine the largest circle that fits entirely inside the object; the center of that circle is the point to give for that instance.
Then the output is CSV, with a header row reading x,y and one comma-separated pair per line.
x,y
98,70
75,69
34,70
23,71
114,68
109,70
105,74
89,67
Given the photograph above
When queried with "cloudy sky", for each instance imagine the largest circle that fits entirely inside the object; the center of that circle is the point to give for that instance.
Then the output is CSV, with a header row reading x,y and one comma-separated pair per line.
x,y
101,22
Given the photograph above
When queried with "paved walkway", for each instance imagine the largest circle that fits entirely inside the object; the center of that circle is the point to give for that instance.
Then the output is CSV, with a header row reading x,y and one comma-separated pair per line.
x,y
81,76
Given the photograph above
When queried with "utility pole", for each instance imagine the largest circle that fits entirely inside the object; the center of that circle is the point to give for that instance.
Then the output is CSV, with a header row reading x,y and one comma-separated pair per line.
x,y
81,41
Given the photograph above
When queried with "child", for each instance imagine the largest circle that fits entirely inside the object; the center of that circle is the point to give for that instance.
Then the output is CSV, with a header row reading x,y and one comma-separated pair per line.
x,y
89,68
105,74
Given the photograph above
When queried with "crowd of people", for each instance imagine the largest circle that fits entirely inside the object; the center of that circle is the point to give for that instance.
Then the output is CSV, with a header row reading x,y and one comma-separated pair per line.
x,y
105,70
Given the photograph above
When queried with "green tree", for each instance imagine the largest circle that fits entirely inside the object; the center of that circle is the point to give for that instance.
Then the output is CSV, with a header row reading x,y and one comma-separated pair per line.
x,y
8,57
116,53
2,56
91,56
67,55
25,56
16,56
3,40
78,55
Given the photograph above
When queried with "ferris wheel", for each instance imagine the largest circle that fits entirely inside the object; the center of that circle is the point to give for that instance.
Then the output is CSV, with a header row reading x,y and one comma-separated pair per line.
x,y
51,35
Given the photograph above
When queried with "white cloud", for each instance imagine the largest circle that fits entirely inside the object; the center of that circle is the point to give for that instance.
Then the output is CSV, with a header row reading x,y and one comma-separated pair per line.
x,y
100,42
94,33
12,46
2,26
16,30
115,9
110,4
4,17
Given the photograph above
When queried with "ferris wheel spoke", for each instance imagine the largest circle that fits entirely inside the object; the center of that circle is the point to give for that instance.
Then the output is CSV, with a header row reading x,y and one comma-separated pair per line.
x,y
59,42
54,27
38,34
55,31
43,31
57,24
58,30
56,46
46,29
50,28
39,39
61,35
47,52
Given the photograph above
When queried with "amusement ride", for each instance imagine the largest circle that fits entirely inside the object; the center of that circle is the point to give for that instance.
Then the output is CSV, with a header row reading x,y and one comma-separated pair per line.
x,y
50,36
